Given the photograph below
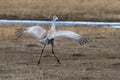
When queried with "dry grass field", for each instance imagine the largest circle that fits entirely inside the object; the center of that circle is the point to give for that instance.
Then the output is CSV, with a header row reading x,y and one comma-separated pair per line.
x,y
92,10
98,60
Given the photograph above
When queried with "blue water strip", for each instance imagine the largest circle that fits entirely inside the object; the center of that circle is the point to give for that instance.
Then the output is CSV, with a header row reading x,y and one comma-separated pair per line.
x,y
62,23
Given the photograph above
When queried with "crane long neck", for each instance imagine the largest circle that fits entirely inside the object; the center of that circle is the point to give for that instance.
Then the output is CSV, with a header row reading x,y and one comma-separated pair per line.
x,y
53,27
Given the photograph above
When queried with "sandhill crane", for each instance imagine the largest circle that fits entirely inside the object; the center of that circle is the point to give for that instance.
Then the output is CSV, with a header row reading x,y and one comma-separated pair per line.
x,y
47,37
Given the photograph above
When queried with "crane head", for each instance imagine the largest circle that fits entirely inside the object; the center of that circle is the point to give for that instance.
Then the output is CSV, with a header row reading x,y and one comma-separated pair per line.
x,y
55,18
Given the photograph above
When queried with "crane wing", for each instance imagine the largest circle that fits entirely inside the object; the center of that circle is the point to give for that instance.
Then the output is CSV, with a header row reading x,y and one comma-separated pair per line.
x,y
72,35
36,31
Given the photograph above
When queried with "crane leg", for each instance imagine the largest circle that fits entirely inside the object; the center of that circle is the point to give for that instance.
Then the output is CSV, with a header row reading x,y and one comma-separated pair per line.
x,y
52,44
41,55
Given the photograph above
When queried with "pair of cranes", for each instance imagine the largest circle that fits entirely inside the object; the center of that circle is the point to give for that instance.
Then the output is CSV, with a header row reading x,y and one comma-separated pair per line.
x,y
47,37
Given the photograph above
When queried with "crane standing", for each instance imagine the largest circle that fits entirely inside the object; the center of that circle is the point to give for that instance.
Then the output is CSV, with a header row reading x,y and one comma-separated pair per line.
x,y
47,37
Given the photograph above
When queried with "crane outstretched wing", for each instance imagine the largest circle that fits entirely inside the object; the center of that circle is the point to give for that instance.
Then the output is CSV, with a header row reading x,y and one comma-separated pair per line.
x,y
36,31
72,35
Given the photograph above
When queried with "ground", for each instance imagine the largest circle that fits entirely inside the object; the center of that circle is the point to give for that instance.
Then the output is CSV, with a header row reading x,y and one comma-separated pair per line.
x,y
98,60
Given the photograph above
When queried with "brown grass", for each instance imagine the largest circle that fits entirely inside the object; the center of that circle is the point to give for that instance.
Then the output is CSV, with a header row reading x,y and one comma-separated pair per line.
x,y
100,10
98,60
7,31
